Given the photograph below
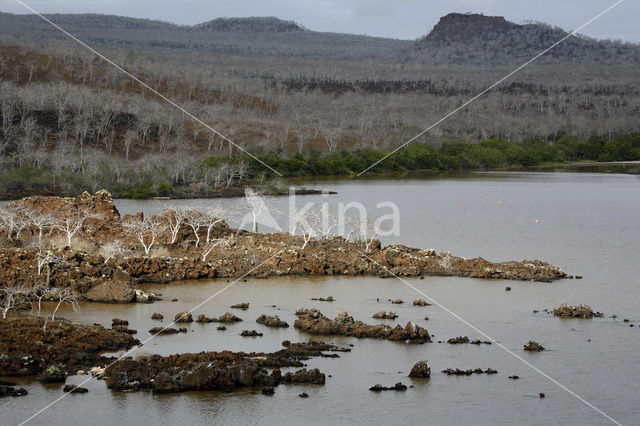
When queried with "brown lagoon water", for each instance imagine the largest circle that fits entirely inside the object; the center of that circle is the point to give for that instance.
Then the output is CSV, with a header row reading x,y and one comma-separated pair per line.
x,y
589,224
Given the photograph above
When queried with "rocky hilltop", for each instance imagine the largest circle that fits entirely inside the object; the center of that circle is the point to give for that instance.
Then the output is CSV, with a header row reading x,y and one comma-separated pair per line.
x,y
254,24
459,27
475,39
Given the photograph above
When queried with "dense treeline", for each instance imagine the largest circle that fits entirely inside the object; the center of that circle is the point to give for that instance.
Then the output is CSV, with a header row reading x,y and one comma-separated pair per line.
x,y
459,155
220,172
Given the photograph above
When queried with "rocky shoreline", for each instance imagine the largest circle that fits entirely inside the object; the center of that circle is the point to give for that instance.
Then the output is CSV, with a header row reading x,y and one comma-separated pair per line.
x,y
241,253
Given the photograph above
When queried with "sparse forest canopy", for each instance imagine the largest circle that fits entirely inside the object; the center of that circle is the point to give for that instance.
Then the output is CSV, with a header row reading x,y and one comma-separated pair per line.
x,y
72,122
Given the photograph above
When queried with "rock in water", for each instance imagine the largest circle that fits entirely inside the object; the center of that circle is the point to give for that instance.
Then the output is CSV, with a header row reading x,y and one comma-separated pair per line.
x,y
157,316
532,346
117,321
273,321
397,387
420,370
305,376
202,318
74,389
243,306
228,318
53,374
312,321
579,311
458,340
169,330
385,315
183,317
7,390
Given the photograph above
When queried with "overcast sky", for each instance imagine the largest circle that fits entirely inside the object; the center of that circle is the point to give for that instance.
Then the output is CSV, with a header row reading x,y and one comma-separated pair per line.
x,y
407,19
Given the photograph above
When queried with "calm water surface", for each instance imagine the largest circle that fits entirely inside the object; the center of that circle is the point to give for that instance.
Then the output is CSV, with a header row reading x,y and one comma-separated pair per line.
x,y
588,224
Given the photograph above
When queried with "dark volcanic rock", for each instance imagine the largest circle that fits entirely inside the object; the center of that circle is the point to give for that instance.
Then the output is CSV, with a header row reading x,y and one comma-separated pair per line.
x,y
305,376
385,315
250,333
124,329
458,340
421,302
74,389
202,318
268,391
117,321
397,387
313,348
221,328
420,370
53,374
168,330
157,316
273,321
243,306
479,342
579,311
228,318
459,372
322,299
10,390
26,350
183,317
532,346
208,371
203,371
313,322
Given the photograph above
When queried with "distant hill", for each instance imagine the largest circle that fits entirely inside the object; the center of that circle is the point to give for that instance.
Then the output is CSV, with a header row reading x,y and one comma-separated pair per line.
x,y
255,24
472,38
457,38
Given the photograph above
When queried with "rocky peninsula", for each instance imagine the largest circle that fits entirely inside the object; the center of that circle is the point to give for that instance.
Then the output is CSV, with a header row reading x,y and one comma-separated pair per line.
x,y
109,254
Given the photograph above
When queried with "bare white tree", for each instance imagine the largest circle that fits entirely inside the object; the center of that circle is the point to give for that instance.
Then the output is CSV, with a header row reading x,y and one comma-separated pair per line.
x,y
364,230
175,217
113,250
195,219
39,291
146,230
39,220
210,245
213,216
11,295
308,222
13,220
62,295
258,203
69,220
445,261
